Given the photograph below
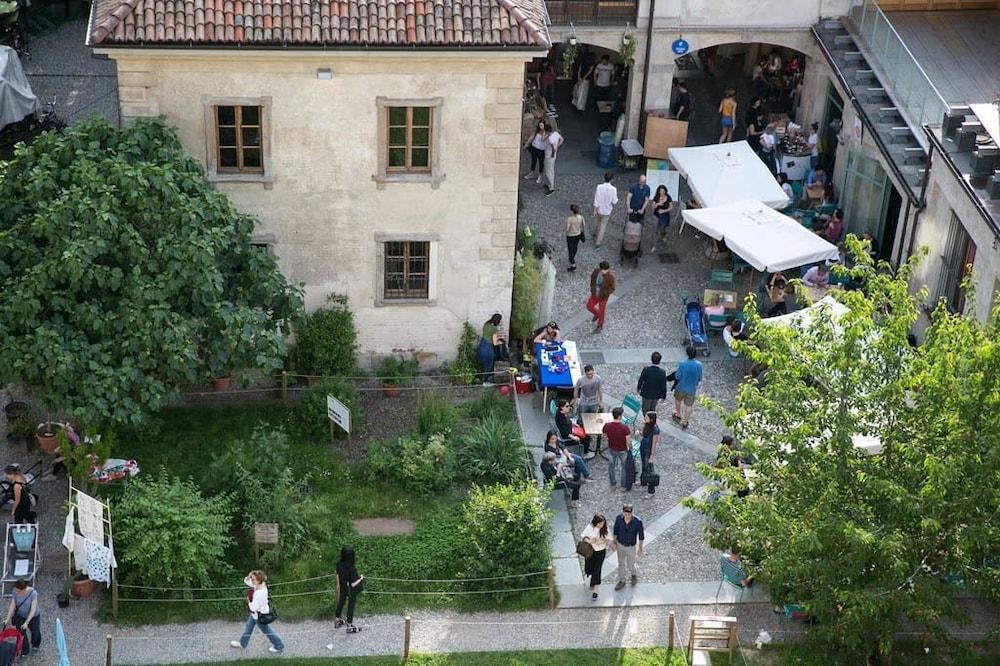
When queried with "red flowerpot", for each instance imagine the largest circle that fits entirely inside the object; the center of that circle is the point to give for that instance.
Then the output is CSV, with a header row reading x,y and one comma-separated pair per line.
x,y
222,383
313,380
46,434
82,588
390,391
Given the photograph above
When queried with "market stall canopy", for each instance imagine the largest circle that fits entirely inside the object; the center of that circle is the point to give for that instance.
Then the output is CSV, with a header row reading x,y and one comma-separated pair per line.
x,y
16,98
722,173
761,236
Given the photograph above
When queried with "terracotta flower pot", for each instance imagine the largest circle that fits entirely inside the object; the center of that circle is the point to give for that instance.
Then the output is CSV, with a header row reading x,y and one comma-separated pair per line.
x,y
391,391
222,383
82,589
313,380
46,434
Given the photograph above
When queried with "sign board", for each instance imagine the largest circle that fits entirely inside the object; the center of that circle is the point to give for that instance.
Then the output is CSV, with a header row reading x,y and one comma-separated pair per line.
x,y
338,413
265,533
664,133
680,46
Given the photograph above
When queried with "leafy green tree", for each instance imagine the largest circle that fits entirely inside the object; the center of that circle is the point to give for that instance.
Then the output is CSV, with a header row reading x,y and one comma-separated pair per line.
x,y
125,276
865,540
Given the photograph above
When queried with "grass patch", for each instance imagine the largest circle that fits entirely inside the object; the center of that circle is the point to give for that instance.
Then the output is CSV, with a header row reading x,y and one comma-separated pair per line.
x,y
191,441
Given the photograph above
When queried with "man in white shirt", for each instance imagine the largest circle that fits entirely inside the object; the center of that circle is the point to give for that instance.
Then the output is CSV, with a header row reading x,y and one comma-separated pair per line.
x,y
605,198
548,177
813,145
604,78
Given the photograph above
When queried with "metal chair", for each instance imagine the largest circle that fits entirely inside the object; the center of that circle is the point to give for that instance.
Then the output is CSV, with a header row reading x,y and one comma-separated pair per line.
x,y
723,277
631,410
552,423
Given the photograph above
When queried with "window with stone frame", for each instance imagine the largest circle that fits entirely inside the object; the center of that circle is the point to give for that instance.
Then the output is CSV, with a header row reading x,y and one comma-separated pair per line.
x,y
406,270
410,136
239,139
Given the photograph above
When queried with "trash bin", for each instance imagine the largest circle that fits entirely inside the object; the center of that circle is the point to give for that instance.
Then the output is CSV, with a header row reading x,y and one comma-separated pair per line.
x,y
606,150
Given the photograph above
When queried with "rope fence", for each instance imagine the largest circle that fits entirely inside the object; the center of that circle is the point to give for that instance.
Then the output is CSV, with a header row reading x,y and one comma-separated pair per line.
x,y
331,575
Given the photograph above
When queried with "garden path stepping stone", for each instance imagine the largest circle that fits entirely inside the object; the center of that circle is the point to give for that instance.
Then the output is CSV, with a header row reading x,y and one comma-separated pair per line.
x,y
383,526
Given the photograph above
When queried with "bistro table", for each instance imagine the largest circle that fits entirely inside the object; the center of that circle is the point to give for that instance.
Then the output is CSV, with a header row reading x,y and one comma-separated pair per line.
x,y
593,425
548,377
727,299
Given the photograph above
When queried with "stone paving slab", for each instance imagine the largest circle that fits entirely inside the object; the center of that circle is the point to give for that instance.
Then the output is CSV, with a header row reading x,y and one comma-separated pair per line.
x,y
654,594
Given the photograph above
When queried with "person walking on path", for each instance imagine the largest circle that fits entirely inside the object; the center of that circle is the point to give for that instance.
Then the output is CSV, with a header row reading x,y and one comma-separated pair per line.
x,y
605,198
20,510
617,435
727,110
681,109
652,386
575,234
596,534
536,148
638,200
689,374
548,177
602,285
628,538
650,435
260,609
663,205
24,615
349,585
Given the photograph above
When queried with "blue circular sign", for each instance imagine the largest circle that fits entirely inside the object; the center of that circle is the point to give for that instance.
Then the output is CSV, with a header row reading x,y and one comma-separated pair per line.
x,y
680,46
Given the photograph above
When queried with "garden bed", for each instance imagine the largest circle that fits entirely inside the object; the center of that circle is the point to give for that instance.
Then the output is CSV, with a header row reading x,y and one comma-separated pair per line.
x,y
340,484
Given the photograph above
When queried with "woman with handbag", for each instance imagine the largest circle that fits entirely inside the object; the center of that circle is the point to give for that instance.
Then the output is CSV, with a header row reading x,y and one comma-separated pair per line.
x,y
349,586
647,450
595,535
575,233
261,613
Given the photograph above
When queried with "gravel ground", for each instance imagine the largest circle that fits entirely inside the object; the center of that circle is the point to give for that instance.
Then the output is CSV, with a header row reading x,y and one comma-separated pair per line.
x,y
681,554
63,69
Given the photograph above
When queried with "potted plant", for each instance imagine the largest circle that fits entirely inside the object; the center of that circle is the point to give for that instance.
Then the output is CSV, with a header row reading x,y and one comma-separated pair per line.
x,y
20,425
62,599
47,434
394,372
82,587
222,383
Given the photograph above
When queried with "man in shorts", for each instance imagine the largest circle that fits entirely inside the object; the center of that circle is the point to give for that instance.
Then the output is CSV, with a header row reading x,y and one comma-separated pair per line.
x,y
689,375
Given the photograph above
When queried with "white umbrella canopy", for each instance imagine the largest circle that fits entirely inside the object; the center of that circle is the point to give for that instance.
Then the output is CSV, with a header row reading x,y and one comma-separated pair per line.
x,y
761,236
722,173
16,98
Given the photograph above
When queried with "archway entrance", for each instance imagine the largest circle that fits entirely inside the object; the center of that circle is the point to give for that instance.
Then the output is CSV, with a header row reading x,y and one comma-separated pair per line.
x,y
769,72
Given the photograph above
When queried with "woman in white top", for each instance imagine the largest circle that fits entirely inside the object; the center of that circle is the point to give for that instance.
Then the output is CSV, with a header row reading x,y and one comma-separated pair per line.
x,y
733,331
548,177
596,534
536,148
257,604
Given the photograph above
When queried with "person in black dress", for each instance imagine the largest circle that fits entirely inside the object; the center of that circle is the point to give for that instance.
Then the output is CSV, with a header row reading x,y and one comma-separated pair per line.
x,y
349,585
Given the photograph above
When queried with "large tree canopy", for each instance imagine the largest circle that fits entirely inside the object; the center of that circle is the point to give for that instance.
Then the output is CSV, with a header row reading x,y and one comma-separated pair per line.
x,y
863,540
125,276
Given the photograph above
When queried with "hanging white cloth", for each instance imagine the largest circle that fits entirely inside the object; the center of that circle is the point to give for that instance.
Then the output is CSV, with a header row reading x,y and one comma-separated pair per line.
x,y
580,93
69,533
90,513
80,553
99,562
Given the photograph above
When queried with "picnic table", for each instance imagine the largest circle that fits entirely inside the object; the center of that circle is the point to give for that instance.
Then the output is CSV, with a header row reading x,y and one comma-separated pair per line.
x,y
558,366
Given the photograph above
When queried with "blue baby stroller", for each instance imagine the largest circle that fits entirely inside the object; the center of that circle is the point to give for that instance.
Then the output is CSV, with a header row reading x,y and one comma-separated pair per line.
x,y
694,321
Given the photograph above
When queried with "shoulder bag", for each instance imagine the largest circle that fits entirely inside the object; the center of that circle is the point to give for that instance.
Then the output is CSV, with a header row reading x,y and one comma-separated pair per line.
x,y
270,616
584,549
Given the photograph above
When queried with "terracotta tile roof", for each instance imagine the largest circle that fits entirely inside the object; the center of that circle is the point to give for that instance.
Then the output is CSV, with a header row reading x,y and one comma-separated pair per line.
x,y
319,23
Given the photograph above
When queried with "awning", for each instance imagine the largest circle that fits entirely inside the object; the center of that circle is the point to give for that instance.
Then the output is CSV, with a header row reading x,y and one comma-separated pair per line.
x,y
722,173
761,236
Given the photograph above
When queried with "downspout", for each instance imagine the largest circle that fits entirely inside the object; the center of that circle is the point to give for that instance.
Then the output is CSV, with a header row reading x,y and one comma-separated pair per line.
x,y
645,70
922,205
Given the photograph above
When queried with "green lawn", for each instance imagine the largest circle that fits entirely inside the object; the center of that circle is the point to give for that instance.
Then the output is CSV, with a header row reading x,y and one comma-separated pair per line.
x,y
187,440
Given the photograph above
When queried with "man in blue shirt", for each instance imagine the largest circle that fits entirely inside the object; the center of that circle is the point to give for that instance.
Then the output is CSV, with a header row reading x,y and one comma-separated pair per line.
x,y
628,538
638,199
688,377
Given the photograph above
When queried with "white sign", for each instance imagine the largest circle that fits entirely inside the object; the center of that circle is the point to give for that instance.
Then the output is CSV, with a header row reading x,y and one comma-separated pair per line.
x,y
338,413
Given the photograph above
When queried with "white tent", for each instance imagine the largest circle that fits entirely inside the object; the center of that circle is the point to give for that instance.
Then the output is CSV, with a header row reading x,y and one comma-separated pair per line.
x,y
805,316
761,236
726,172
16,98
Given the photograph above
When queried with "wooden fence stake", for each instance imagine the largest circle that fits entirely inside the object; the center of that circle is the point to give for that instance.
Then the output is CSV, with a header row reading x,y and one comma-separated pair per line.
x,y
406,638
107,656
284,387
552,586
670,630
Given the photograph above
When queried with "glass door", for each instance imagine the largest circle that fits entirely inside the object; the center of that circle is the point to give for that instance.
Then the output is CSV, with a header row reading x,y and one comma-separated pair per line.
x,y
866,194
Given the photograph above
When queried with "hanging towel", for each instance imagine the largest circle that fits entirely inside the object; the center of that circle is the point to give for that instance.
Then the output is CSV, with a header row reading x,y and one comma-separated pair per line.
x,y
69,533
90,513
98,562
79,553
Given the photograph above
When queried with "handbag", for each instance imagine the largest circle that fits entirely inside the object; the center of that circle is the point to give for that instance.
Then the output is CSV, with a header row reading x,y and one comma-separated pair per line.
x,y
584,549
579,432
270,616
358,586
648,477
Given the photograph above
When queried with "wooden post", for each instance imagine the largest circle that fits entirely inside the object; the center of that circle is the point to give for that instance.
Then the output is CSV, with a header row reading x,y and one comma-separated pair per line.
x,y
114,594
670,630
332,433
284,387
107,655
552,586
406,638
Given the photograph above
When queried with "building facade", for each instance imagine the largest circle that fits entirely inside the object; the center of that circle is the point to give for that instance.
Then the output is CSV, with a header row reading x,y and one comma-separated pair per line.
x,y
379,152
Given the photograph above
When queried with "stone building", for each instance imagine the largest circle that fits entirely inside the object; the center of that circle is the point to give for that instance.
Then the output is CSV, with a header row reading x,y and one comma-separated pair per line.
x,y
377,143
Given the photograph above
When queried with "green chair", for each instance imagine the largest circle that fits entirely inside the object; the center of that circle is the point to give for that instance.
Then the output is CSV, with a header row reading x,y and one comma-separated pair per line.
x,y
631,410
806,217
827,209
797,189
723,277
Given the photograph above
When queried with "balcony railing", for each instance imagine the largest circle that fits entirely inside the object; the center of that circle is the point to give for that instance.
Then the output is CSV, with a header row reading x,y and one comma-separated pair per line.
x,y
592,12
919,100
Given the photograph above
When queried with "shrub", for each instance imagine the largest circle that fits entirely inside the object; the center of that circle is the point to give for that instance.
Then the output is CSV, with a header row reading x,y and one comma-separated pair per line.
x,y
462,373
396,370
493,451
508,530
488,404
527,291
326,340
468,346
435,414
421,464
168,535
266,449
266,495
310,412
380,460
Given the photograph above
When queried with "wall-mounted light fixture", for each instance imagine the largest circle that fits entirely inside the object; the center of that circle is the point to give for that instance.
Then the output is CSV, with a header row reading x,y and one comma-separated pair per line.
x,y
324,74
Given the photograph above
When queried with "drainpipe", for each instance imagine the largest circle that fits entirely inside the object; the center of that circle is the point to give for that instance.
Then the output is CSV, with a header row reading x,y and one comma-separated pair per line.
x,y
645,70
921,206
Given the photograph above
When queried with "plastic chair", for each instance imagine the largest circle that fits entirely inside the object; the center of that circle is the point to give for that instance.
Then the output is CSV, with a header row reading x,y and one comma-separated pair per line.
x,y
715,323
806,217
631,410
827,209
797,189
724,278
